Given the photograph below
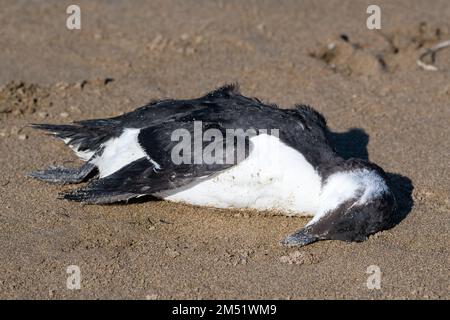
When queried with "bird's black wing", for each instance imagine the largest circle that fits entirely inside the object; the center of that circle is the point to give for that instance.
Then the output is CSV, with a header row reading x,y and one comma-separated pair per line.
x,y
89,135
160,170
224,109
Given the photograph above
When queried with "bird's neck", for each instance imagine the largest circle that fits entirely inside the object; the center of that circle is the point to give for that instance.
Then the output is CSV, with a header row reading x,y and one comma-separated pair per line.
x,y
358,186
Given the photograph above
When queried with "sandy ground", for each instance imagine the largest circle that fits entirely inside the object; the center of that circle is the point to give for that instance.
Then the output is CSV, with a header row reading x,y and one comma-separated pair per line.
x,y
380,103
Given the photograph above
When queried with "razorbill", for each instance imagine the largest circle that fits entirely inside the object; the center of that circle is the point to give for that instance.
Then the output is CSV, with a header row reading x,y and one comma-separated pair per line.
x,y
226,150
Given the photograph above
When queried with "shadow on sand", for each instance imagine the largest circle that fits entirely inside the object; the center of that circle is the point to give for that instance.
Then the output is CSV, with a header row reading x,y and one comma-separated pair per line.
x,y
353,144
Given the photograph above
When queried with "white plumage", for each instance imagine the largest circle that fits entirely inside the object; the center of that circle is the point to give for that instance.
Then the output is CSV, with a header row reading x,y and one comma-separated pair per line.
x,y
118,152
273,177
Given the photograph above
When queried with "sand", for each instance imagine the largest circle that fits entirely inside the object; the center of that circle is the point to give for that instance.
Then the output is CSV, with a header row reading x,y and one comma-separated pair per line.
x,y
381,105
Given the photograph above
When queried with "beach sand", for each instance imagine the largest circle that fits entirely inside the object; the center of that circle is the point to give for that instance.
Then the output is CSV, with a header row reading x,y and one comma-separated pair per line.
x,y
381,105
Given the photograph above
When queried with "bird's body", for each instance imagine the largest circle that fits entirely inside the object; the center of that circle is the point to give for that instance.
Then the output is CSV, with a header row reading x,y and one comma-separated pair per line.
x,y
260,182
228,151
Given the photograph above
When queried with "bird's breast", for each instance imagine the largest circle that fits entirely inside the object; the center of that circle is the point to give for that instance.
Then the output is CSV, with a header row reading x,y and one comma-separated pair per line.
x,y
273,177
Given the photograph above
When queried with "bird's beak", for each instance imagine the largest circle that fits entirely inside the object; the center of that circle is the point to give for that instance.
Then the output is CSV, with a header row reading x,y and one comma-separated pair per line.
x,y
299,238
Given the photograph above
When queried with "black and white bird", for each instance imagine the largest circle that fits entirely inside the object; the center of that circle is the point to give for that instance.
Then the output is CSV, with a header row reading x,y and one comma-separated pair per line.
x,y
295,171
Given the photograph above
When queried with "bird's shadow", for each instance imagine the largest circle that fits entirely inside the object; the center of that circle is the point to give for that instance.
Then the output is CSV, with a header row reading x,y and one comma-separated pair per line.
x,y
353,144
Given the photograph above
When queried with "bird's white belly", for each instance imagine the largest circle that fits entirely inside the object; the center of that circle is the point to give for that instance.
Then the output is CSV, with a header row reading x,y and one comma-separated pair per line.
x,y
273,177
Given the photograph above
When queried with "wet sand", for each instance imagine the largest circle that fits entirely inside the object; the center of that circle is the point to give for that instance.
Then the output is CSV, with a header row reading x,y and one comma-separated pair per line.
x,y
381,105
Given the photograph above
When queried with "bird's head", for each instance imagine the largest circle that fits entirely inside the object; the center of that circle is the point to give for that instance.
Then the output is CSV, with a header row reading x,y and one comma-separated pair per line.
x,y
355,202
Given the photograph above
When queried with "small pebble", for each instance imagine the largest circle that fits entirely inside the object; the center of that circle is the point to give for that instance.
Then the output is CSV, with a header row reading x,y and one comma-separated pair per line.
x,y
171,253
61,86
198,39
64,114
75,109
42,114
295,257
22,136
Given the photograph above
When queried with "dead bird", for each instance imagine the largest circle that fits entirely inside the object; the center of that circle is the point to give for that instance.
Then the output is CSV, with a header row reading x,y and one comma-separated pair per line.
x,y
191,151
